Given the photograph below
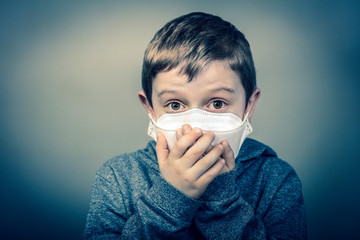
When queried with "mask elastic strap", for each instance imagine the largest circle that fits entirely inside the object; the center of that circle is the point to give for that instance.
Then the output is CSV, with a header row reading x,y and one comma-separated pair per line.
x,y
152,128
246,116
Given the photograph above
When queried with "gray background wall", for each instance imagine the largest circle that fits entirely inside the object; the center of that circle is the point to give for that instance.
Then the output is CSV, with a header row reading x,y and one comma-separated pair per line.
x,y
69,77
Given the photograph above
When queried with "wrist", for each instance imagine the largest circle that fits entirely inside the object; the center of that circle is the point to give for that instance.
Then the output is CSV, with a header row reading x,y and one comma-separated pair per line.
x,y
172,201
222,187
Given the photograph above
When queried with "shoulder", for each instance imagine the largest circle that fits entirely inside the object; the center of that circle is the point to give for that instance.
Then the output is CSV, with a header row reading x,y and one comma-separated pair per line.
x,y
265,161
130,163
263,175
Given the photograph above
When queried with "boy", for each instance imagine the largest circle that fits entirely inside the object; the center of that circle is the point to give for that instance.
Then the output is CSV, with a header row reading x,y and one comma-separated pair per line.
x,y
194,182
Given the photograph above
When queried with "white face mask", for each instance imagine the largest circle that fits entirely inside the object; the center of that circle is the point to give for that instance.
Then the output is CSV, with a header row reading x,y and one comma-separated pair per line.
x,y
226,126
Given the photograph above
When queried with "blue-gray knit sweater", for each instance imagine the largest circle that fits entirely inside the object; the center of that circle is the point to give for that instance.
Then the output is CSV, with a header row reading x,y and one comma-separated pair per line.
x,y
260,199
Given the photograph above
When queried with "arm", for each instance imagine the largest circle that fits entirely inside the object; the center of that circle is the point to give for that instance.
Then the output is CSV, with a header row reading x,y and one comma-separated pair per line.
x,y
160,209
285,218
159,212
278,214
168,207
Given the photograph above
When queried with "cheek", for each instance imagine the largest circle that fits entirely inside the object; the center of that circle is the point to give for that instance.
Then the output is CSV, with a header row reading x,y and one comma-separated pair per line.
x,y
156,107
238,107
158,110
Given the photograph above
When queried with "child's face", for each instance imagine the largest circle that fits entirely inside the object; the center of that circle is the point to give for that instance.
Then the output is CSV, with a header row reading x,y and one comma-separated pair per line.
x,y
216,88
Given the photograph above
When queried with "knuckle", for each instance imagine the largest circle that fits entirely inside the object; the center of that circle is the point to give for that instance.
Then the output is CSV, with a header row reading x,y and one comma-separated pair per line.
x,y
185,141
177,171
181,143
207,161
217,150
222,161
210,134
208,178
188,178
197,185
211,176
195,153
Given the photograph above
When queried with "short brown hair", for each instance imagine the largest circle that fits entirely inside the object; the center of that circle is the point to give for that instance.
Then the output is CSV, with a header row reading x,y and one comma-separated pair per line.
x,y
194,40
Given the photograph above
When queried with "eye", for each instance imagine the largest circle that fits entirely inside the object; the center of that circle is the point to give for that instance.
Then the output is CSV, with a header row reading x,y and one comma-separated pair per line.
x,y
174,106
217,104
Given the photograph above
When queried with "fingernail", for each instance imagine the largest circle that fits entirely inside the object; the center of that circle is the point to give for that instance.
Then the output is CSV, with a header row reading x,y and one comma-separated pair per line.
x,y
197,130
185,127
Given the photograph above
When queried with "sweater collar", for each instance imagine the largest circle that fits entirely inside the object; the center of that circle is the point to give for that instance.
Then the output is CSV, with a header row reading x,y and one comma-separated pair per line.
x,y
252,149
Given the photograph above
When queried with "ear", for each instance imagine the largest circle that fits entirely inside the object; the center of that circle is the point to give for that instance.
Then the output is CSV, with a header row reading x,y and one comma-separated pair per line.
x,y
250,108
145,102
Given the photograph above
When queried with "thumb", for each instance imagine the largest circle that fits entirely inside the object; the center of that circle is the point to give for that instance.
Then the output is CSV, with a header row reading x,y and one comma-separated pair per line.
x,y
162,151
228,155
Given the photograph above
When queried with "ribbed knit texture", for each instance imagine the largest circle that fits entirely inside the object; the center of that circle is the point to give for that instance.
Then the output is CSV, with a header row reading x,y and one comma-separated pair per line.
x,y
260,199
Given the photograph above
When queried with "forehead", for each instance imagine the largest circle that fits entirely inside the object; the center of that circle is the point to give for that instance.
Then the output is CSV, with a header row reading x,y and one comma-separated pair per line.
x,y
216,74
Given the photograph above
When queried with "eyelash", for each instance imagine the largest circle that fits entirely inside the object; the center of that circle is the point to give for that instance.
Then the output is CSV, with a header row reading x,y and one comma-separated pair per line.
x,y
168,106
181,106
224,104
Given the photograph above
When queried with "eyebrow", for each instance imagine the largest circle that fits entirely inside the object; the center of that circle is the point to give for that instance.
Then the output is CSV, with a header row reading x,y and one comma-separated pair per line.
x,y
231,90
166,91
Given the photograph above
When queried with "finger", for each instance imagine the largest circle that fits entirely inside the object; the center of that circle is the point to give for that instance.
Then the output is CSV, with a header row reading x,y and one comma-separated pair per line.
x,y
228,155
209,148
186,128
182,145
206,162
211,173
179,133
198,149
162,151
